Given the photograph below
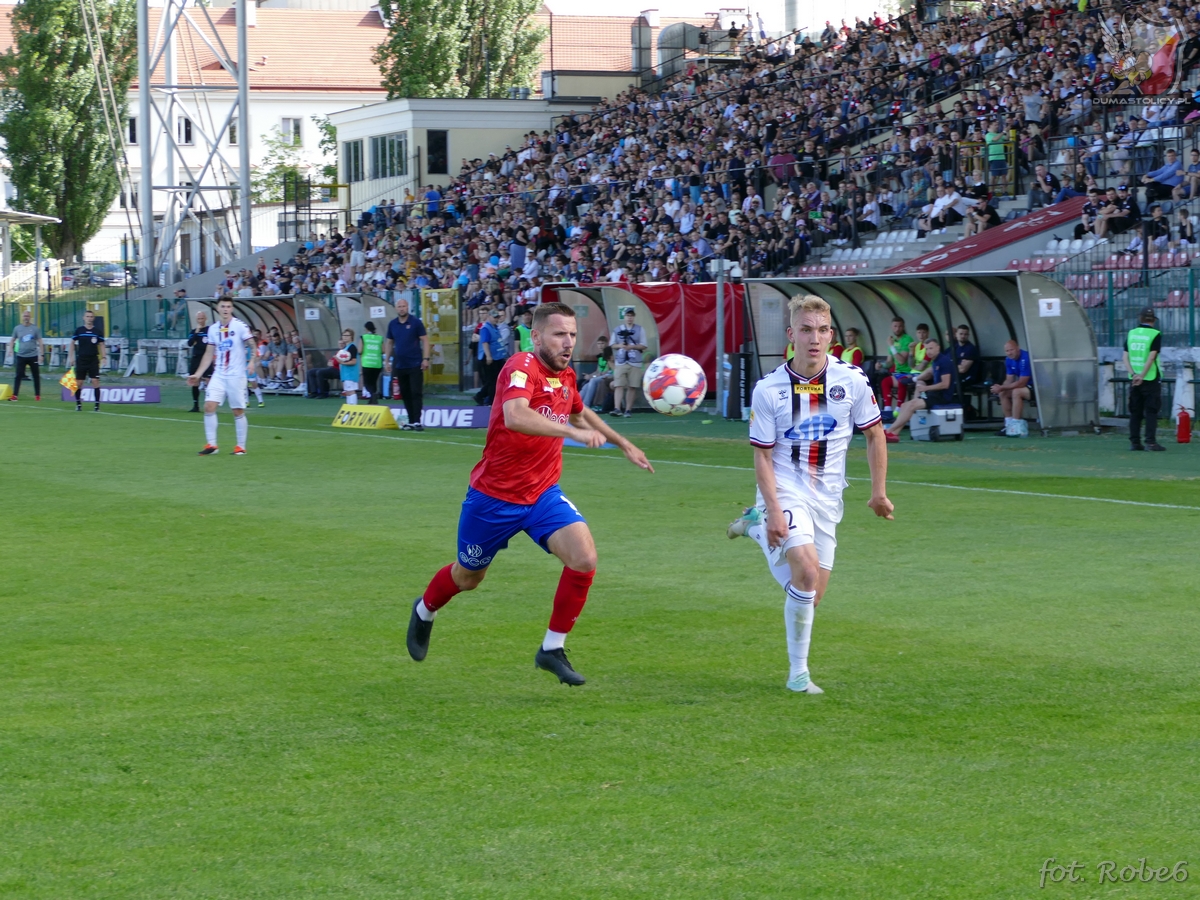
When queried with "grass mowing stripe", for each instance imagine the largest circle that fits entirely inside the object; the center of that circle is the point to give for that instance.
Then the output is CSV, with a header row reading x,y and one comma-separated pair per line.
x,y
673,462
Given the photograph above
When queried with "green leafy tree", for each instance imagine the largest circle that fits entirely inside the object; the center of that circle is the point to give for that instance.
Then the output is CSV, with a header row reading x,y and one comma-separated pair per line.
x,y
328,145
59,154
458,48
279,176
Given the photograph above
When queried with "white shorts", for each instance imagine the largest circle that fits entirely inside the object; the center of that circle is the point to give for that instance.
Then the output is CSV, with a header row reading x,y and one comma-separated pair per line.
x,y
806,525
358,259
227,388
349,386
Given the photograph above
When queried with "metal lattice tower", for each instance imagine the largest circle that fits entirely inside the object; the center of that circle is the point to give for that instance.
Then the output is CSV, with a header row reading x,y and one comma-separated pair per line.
x,y
162,100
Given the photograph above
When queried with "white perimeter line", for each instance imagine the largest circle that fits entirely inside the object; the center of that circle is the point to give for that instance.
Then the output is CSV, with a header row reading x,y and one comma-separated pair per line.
x,y
669,462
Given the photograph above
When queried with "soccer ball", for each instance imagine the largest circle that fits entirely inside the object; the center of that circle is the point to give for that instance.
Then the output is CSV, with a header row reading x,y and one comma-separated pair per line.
x,y
674,384
342,356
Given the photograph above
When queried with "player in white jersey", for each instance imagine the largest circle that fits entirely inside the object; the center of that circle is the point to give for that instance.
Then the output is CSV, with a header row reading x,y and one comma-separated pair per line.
x,y
803,416
230,350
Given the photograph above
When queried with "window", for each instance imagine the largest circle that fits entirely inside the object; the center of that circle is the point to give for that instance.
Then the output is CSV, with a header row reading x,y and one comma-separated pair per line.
x,y
438,152
131,130
183,130
232,134
291,131
389,155
129,197
352,161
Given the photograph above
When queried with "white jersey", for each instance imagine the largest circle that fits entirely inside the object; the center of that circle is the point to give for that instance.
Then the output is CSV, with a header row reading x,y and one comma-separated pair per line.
x,y
809,423
230,344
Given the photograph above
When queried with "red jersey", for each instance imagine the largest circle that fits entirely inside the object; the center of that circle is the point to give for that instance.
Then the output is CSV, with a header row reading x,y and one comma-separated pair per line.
x,y
518,468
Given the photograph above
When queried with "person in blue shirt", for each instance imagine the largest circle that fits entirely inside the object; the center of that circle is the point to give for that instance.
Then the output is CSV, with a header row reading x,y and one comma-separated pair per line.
x,y
1162,181
935,388
1014,393
493,350
433,199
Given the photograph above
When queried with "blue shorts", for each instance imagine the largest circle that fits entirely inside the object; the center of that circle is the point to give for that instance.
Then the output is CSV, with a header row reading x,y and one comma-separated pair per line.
x,y
486,524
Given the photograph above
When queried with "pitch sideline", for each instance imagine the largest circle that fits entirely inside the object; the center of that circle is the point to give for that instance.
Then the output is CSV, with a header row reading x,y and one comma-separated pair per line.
x,y
662,462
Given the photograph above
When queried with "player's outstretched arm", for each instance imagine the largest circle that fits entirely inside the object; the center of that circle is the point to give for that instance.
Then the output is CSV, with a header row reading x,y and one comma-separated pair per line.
x,y
587,418
519,417
194,377
877,460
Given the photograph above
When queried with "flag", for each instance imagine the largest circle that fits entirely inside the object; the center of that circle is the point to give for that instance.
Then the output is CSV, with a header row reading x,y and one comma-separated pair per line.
x,y
68,381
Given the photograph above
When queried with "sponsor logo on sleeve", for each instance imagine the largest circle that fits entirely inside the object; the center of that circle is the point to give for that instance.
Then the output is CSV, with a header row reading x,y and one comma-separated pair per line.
x,y
519,379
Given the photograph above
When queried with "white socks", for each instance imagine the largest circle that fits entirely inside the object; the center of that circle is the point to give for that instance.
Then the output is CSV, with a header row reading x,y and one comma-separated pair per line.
x,y
210,429
423,612
258,394
352,399
554,640
776,559
798,619
241,427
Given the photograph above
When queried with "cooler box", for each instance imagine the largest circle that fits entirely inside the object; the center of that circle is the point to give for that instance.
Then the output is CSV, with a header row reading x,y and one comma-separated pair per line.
x,y
937,425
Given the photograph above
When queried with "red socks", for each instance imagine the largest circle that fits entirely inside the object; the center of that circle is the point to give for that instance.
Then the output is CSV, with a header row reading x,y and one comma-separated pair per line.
x,y
442,588
569,599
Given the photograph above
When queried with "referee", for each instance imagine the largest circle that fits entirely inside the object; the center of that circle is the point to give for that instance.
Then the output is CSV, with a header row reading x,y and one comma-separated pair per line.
x,y
86,355
197,342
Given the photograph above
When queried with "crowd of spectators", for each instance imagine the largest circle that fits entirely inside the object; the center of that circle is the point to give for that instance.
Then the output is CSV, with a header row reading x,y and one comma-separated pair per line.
x,y
767,157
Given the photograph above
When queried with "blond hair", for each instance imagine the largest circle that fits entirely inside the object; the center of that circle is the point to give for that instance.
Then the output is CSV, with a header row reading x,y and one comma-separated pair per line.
x,y
806,303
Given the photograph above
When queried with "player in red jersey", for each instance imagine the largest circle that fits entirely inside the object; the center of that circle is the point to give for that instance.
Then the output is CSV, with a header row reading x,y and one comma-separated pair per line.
x,y
514,487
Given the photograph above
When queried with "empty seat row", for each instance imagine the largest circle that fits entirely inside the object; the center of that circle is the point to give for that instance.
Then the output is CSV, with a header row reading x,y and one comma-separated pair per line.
x,y
828,270
1169,260
873,252
1037,264
896,237
1177,299
1066,245
1120,280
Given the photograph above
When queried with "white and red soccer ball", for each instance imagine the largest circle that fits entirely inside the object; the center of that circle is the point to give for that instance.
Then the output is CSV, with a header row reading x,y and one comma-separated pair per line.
x,y
343,356
674,384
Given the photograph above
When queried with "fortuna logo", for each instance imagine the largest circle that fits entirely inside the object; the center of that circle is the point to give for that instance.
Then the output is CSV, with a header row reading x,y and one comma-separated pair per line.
x,y
809,389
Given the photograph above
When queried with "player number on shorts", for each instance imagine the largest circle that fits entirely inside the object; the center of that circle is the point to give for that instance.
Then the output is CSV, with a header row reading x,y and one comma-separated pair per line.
x,y
787,513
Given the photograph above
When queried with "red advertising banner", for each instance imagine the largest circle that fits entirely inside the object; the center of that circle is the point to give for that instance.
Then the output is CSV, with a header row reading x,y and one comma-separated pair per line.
x,y
1057,216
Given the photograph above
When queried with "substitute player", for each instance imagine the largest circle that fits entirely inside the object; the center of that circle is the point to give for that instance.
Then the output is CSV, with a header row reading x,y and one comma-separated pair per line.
x,y
86,354
803,416
230,350
514,487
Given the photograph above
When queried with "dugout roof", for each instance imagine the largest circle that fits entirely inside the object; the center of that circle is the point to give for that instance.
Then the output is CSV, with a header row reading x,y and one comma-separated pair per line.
x,y
1040,314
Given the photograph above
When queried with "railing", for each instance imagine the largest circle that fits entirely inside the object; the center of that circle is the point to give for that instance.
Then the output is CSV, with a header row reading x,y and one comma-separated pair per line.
x,y
18,285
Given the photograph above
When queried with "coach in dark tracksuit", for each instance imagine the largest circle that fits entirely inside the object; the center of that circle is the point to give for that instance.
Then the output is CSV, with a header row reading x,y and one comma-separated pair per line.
x,y
197,343
406,352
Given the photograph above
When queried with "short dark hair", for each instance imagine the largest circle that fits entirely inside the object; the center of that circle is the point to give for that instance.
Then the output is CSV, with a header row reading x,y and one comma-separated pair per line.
x,y
922,326
898,319
369,326
546,310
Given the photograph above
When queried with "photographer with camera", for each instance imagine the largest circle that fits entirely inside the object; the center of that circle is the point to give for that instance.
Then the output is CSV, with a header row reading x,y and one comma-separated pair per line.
x,y
628,342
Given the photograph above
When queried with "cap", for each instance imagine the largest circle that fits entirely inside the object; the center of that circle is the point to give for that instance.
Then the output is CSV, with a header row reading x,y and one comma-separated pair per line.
x,y
1122,187
1147,315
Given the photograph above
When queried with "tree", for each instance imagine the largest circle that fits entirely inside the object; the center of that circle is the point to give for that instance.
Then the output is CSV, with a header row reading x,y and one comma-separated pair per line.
x,y
328,145
59,154
277,179
458,48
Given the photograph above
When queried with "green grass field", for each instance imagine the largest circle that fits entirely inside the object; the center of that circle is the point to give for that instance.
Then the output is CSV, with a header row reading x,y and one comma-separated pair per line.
x,y
204,690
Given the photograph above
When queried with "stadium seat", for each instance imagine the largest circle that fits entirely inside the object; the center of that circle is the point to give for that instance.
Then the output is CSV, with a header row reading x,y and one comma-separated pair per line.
x,y
1014,264
1076,246
856,253
1071,282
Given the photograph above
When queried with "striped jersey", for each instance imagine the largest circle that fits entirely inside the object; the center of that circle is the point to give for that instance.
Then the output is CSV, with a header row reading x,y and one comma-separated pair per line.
x,y
809,423
230,344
